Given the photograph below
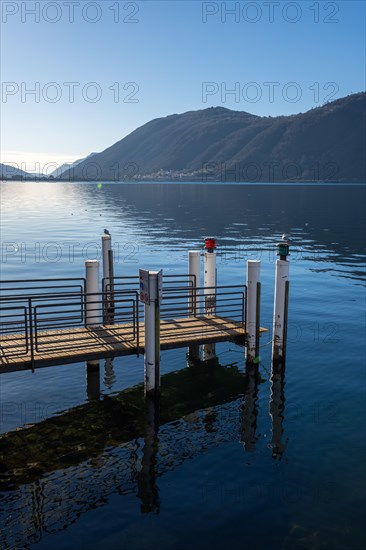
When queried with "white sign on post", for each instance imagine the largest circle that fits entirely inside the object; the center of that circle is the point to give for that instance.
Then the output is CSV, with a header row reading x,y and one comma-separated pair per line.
x,y
144,286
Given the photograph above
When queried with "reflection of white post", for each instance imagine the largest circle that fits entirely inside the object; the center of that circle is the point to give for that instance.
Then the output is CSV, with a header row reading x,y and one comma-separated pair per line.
x,y
92,298
252,328
93,380
194,269
152,338
250,408
276,409
109,374
209,280
280,310
146,478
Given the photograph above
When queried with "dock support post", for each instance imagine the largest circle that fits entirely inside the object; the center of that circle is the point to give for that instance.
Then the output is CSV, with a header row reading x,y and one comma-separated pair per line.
x,y
194,272
106,247
93,380
280,312
253,310
194,259
152,338
210,282
108,274
92,298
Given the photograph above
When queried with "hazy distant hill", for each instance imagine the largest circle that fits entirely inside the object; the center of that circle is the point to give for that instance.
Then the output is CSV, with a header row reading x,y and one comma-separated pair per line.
x,y
67,166
326,143
9,172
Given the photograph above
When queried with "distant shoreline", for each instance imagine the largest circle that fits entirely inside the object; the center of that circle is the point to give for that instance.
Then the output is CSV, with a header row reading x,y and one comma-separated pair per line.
x,y
183,180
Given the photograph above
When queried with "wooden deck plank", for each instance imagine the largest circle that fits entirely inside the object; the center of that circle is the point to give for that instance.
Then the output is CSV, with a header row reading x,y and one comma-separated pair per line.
x,y
81,343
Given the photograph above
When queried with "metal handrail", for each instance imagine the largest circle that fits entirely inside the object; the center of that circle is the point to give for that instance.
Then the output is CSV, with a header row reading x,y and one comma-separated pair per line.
x,y
45,289
181,304
49,315
32,323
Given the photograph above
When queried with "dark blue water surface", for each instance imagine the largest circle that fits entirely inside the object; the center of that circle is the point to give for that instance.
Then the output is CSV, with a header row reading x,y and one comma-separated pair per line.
x,y
240,458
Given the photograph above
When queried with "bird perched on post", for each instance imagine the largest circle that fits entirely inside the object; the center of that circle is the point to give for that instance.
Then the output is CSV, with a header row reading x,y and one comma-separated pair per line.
x,y
286,238
106,232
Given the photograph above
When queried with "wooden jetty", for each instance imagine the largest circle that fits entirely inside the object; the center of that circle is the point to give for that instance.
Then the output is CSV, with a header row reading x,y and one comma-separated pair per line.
x,y
91,343
46,322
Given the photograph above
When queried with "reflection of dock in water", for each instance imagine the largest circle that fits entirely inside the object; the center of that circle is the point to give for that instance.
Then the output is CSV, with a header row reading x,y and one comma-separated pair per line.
x,y
60,468
55,471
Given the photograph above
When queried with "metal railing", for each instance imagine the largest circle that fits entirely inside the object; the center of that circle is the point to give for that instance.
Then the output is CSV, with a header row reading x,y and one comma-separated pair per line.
x,y
36,287
132,282
183,281
16,310
47,323
49,316
56,322
14,327
198,309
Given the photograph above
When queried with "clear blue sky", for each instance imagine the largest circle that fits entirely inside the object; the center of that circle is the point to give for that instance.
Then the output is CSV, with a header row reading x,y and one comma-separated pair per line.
x,y
312,51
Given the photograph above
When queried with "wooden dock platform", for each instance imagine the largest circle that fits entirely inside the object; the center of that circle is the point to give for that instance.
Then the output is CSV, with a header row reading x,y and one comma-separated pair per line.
x,y
86,344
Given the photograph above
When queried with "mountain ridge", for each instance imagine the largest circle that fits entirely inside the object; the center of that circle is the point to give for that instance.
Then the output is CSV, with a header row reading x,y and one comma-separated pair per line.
x,y
325,143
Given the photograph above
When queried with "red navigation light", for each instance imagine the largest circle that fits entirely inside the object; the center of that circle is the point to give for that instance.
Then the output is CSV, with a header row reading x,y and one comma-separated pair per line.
x,y
210,244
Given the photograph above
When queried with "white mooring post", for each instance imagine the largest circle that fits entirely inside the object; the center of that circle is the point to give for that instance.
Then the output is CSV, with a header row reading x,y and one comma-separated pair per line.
x,y
253,309
151,296
194,271
106,247
281,303
209,283
92,298
108,274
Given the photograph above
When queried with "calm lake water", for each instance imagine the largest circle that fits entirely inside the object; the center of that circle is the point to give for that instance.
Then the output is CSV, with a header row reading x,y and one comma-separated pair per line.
x,y
241,459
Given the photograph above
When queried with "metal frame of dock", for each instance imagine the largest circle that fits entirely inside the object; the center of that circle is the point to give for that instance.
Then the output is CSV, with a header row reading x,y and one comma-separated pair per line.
x,y
43,321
